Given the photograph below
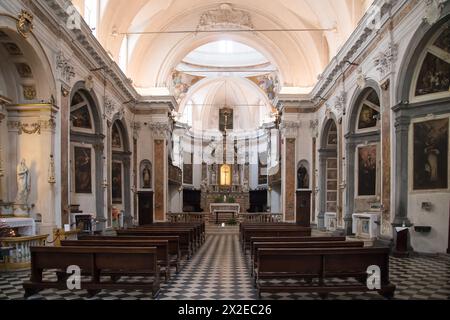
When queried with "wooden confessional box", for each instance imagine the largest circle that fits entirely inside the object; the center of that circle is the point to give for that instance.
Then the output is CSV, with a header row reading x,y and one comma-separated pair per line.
x,y
303,208
145,207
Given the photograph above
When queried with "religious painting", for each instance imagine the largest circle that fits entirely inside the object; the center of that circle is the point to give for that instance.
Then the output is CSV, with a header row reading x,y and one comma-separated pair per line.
x,y
430,169
116,177
83,170
332,135
365,226
367,170
146,174
368,117
81,118
181,83
116,140
269,83
434,76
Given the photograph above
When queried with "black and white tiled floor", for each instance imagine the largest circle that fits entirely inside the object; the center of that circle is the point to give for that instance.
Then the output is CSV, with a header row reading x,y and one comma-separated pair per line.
x,y
219,271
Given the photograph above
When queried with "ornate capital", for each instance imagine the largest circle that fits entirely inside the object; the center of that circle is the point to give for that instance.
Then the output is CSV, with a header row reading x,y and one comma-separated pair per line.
x,y
111,109
385,60
65,69
160,130
289,129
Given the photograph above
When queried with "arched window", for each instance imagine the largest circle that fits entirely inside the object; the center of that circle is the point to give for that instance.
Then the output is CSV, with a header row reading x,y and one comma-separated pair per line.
x,y
369,112
225,175
433,75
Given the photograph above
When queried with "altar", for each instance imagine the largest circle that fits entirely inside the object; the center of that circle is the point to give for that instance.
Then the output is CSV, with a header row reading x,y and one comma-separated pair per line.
x,y
224,208
25,226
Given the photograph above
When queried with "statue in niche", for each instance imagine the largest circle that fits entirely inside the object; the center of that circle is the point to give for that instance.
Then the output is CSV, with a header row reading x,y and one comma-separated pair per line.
x,y
302,177
23,183
147,177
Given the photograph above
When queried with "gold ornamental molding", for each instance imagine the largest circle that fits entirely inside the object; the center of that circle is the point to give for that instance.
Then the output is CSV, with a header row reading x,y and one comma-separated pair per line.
x,y
25,23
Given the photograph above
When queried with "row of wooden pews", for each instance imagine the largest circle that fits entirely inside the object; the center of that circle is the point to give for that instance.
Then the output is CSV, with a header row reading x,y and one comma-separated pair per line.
x,y
104,261
286,251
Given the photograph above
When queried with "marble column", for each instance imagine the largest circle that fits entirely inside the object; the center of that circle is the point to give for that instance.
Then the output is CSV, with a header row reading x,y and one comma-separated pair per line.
x,y
289,180
350,184
64,147
313,177
385,100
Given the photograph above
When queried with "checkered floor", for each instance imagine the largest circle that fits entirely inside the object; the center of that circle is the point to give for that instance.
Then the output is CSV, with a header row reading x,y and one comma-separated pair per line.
x,y
219,271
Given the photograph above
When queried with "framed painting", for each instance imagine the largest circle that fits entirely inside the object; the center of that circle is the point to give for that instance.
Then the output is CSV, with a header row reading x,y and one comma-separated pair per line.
x,y
116,190
83,170
430,155
367,170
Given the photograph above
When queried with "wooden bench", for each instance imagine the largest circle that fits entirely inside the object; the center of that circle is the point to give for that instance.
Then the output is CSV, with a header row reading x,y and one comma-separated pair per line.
x,y
278,231
290,239
174,245
184,235
311,244
199,227
94,261
162,249
322,264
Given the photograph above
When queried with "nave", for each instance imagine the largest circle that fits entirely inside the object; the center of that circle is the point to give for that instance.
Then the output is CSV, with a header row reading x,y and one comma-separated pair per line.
x,y
219,271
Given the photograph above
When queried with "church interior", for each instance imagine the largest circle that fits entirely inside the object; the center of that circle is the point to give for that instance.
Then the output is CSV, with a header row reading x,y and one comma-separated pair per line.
x,y
202,149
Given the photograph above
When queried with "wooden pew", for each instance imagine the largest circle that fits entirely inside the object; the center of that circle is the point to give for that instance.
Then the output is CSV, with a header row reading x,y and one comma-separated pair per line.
x,y
94,261
244,225
162,248
174,245
290,239
199,227
184,235
274,231
322,264
196,230
311,244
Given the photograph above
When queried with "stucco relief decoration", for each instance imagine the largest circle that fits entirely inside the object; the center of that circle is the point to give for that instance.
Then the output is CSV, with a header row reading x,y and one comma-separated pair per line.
x,y
136,127
32,128
433,10
314,126
384,61
111,109
361,79
340,102
25,23
65,69
225,17
269,83
181,83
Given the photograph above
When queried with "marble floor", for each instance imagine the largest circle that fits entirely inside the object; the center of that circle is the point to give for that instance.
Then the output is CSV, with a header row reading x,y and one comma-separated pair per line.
x,y
219,271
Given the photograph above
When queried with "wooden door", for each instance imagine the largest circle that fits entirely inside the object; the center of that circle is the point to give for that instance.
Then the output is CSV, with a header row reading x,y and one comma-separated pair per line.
x,y
145,208
303,210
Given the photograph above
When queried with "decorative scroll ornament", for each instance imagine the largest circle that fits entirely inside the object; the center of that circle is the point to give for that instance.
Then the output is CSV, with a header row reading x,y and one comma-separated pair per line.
x,y
361,80
433,10
51,171
25,23
66,71
225,17
385,60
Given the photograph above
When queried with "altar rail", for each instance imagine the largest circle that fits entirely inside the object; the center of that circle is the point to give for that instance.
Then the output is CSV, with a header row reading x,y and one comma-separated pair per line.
x,y
186,217
19,255
260,217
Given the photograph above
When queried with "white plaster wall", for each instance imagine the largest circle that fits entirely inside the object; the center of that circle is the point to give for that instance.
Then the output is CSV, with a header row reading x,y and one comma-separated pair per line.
x,y
275,200
175,200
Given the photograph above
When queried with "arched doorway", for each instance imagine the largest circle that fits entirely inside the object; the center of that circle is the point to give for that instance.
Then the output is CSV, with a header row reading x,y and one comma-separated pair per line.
x,y
120,174
422,121
328,168
86,155
363,154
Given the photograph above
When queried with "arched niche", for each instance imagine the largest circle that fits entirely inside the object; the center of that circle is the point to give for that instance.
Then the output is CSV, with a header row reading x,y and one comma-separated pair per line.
x,y
422,120
86,153
363,153
328,170
303,175
146,175
120,171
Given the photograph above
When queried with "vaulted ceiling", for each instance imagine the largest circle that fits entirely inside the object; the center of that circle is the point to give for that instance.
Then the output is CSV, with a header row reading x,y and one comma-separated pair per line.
x,y
299,56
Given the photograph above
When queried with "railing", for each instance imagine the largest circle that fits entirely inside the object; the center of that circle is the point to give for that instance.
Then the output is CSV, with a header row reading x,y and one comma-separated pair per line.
x,y
19,256
186,217
260,217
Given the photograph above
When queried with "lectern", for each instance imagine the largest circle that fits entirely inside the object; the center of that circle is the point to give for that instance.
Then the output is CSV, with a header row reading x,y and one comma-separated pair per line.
x,y
401,243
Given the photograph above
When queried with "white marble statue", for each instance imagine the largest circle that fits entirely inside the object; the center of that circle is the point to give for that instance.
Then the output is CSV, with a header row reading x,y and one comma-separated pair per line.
x,y
23,183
